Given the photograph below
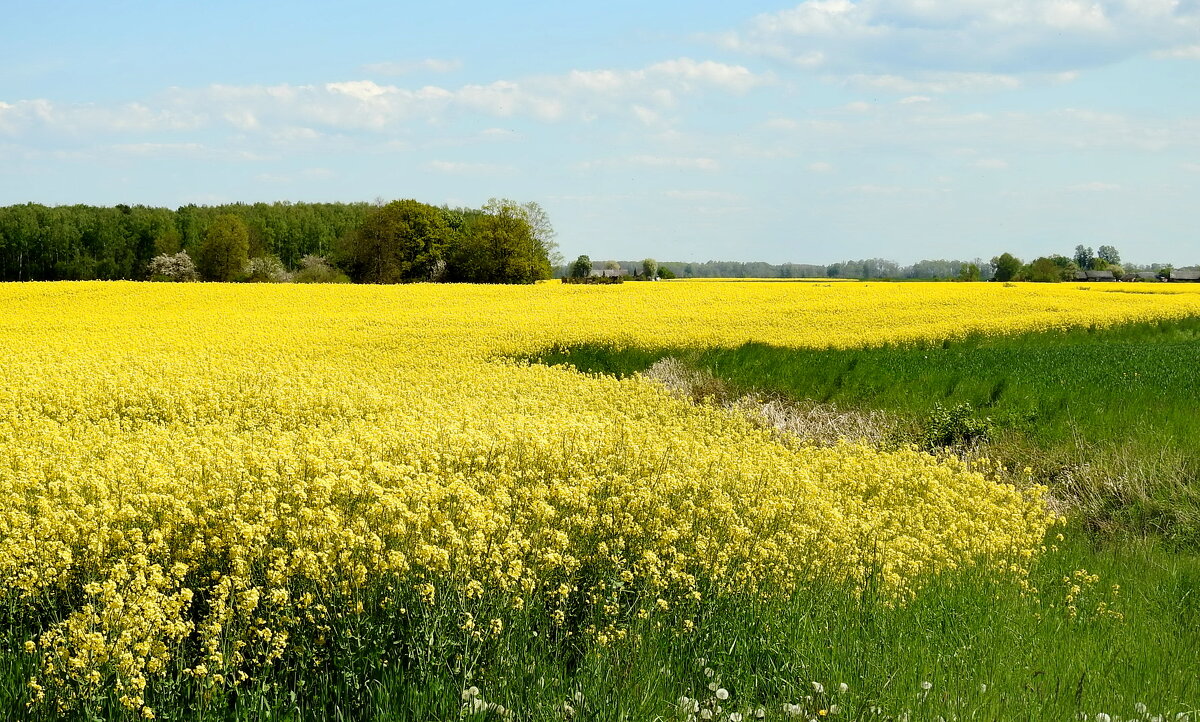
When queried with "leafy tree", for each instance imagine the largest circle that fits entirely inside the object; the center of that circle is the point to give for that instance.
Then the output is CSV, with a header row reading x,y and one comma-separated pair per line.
x,y
1083,256
969,272
1044,270
541,229
665,272
581,268
398,242
649,268
1007,266
225,249
498,246
1098,264
1110,255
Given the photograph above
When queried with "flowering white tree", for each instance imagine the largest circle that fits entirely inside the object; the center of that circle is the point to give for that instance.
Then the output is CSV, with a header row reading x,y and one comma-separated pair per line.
x,y
173,267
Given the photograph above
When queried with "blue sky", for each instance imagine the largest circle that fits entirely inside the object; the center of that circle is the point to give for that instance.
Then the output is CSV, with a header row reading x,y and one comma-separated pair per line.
x,y
810,132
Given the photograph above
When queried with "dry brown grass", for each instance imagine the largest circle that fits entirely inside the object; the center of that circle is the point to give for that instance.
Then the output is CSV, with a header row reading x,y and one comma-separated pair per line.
x,y
811,422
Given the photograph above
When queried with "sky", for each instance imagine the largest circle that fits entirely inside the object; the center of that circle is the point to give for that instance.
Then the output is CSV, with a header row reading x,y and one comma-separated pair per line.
x,y
756,131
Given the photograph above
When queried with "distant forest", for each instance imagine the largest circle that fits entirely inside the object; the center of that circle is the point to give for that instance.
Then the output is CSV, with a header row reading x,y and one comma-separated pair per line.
x,y
401,241
503,242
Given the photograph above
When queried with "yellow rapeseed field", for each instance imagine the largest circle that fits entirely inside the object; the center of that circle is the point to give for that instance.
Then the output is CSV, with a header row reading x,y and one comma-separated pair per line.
x,y
194,477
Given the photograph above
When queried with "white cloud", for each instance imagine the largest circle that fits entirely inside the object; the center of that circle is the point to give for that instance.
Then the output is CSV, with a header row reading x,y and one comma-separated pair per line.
x,y
936,83
858,106
914,99
1183,52
646,116
1005,36
85,118
433,65
463,168
364,104
733,78
820,167
1094,187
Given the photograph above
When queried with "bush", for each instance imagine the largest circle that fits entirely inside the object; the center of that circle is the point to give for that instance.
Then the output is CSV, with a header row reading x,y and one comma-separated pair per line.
x,y
266,269
173,267
594,280
956,426
315,269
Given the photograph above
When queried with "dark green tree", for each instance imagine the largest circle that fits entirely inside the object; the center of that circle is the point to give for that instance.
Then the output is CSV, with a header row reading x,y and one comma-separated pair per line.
x,y
581,268
399,242
498,246
1007,266
1044,270
1110,255
1083,256
649,268
225,249
969,272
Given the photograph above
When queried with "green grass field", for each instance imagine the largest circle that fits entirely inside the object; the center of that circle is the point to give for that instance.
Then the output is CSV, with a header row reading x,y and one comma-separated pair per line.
x,y
1109,418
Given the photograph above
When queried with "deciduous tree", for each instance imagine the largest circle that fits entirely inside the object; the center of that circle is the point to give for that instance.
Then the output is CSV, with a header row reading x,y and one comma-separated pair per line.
x,y
225,249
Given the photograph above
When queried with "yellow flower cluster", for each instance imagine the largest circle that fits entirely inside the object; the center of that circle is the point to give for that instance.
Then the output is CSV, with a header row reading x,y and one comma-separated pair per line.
x,y
192,475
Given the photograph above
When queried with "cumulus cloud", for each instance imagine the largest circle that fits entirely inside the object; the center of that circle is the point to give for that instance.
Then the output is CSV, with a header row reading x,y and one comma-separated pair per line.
x,y
984,36
364,104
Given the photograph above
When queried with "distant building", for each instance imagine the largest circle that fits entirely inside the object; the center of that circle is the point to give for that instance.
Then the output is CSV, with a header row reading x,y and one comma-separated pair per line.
x,y
1185,275
1094,276
607,273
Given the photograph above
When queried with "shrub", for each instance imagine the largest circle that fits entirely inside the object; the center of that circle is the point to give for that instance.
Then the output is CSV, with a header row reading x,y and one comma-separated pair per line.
x,y
594,280
315,269
266,269
955,426
173,267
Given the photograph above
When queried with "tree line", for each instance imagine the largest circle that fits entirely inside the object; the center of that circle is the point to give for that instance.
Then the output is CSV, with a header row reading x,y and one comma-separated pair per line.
x,y
1057,267
1004,267
404,240
866,268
